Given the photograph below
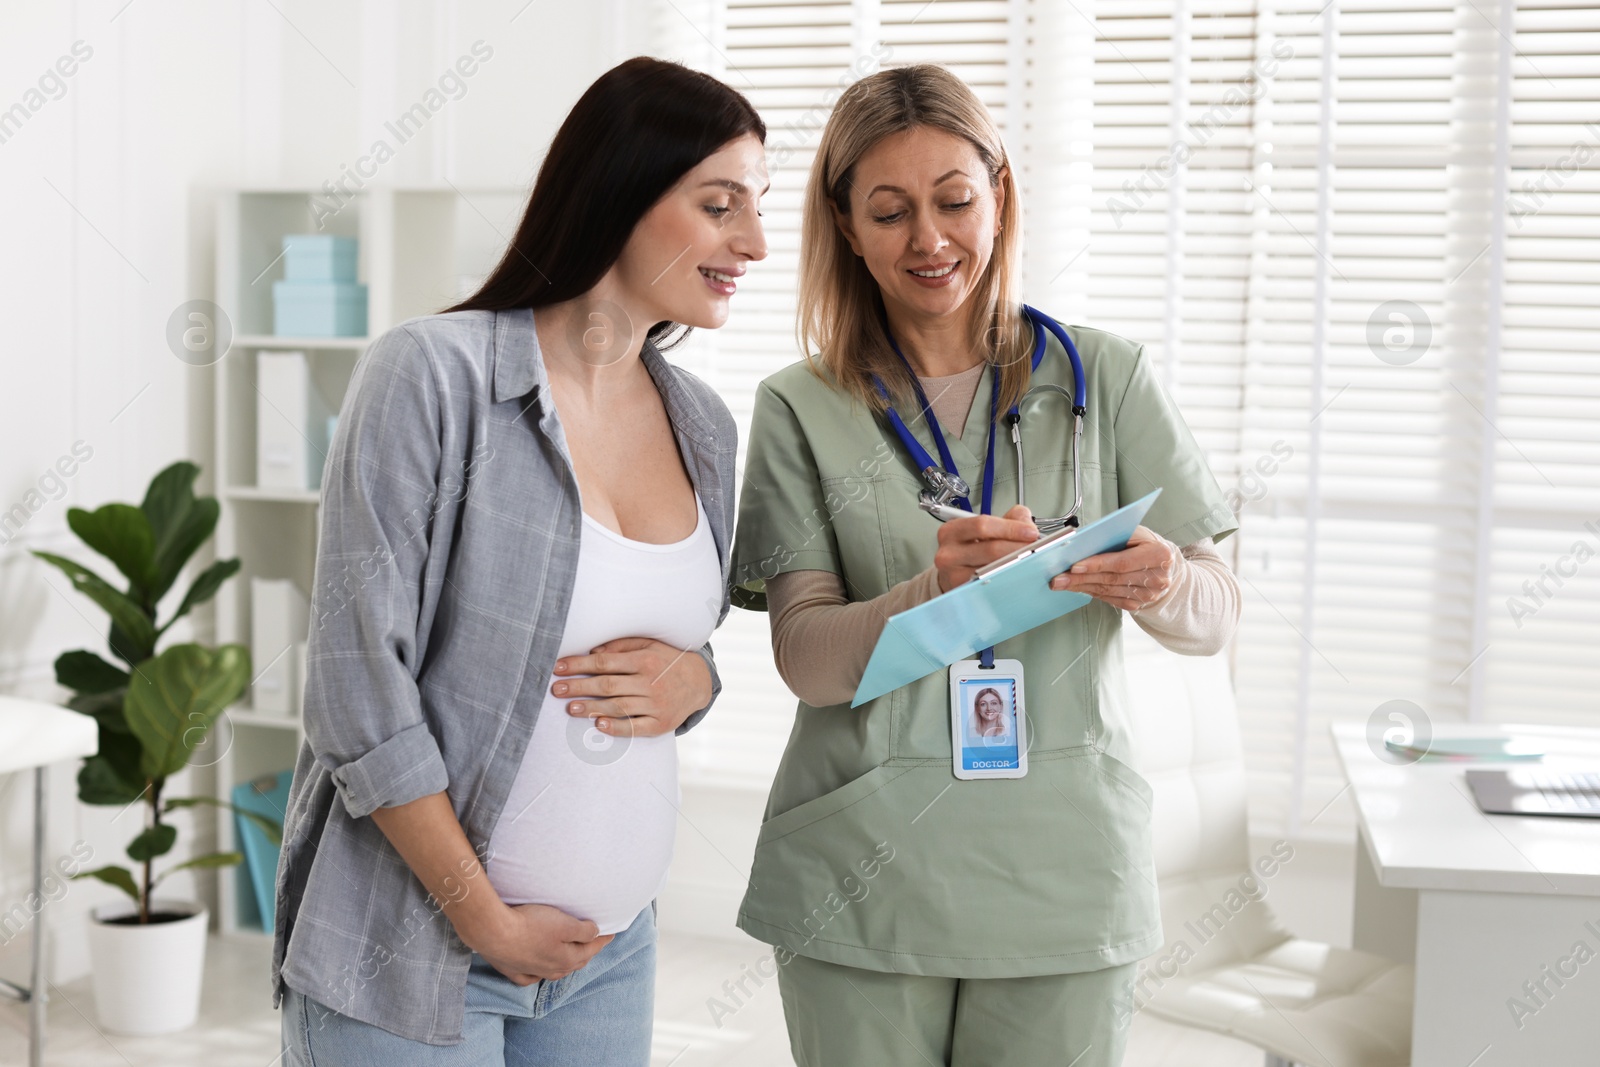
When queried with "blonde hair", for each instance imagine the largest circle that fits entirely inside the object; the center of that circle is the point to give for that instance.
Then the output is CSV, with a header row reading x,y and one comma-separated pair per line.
x,y
840,307
977,720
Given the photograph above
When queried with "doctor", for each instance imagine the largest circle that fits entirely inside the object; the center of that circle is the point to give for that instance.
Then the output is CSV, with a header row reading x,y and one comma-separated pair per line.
x,y
873,852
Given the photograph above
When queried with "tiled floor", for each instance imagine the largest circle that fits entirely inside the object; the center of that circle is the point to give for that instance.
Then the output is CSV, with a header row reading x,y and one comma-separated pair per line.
x,y
238,1027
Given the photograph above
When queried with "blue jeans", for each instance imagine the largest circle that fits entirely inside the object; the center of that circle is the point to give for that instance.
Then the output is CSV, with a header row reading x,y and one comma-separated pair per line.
x,y
599,1015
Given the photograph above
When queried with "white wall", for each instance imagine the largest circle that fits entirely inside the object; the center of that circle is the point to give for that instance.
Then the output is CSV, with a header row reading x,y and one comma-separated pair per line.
x,y
107,228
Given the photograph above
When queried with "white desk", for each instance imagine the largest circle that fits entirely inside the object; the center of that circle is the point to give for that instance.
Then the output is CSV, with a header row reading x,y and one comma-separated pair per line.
x,y
1481,904
35,735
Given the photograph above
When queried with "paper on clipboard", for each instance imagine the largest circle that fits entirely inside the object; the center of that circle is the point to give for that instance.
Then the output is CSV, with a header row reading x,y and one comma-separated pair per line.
x,y
986,611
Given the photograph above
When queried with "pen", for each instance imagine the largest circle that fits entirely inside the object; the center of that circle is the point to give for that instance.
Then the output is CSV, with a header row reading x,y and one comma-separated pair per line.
x,y
944,512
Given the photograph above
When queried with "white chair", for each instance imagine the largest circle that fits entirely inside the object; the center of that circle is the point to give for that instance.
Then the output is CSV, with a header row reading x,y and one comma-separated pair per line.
x,y
1228,965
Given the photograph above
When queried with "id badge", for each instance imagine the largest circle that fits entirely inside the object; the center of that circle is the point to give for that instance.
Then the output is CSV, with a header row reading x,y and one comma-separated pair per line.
x,y
988,720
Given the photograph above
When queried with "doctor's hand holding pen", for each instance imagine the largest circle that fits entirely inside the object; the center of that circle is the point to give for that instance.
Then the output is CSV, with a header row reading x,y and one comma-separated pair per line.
x,y
970,543
1130,578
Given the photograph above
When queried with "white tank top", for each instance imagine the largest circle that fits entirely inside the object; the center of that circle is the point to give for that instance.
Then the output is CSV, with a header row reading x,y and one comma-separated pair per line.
x,y
589,823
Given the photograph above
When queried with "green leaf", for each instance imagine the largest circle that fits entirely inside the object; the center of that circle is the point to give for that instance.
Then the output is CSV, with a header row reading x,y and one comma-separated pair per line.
x,y
125,751
156,841
212,860
181,522
204,587
127,649
170,494
117,876
191,532
86,672
175,697
99,783
121,533
103,708
138,632
272,828
100,688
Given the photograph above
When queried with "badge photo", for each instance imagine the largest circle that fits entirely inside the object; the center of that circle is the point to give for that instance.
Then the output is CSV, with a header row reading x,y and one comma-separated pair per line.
x,y
988,720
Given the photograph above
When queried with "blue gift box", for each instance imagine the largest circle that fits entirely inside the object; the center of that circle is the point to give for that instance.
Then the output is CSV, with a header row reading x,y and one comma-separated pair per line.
x,y
316,257
319,309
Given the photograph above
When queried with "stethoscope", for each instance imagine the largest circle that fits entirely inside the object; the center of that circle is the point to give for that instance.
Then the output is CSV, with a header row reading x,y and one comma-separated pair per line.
x,y
946,494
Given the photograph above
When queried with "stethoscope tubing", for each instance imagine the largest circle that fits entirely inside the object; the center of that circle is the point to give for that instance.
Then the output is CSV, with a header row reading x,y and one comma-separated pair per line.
x,y
938,504
1080,407
1071,517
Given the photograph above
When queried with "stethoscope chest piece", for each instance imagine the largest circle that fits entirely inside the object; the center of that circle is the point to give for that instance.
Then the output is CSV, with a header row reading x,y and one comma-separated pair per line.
x,y
943,489
946,491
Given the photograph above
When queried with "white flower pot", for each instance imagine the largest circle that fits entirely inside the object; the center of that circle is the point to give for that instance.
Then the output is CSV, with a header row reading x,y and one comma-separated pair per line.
x,y
147,978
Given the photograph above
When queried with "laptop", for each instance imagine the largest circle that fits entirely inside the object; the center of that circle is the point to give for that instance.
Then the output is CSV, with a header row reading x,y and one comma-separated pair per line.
x,y
1536,791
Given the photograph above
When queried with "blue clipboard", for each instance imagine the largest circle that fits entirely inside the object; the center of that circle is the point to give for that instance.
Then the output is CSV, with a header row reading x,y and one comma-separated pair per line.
x,y
988,610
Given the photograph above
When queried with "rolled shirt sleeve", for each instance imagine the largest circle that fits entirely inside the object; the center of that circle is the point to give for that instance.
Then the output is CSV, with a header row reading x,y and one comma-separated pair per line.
x,y
693,720
363,712
403,768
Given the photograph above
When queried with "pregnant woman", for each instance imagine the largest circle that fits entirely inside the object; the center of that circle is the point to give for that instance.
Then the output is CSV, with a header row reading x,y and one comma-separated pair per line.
x,y
524,542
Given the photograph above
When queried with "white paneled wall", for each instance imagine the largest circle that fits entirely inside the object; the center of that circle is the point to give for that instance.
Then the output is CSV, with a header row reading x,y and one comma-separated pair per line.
x,y
106,186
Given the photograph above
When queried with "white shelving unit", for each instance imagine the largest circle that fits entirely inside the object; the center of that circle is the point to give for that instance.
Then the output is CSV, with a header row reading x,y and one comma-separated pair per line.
x,y
421,249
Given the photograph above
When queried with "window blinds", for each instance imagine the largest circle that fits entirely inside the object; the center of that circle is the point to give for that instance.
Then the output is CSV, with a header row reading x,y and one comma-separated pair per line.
x,y
1363,242
1542,549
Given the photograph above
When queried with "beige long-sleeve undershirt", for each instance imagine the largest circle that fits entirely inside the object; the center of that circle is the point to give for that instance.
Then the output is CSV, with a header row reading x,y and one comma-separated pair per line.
x,y
822,641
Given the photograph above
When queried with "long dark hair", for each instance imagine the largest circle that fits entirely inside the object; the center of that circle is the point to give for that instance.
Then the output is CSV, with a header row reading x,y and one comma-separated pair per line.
x,y
640,127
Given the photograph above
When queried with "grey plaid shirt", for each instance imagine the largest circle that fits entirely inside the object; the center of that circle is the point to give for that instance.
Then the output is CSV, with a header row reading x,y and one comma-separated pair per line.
x,y
449,539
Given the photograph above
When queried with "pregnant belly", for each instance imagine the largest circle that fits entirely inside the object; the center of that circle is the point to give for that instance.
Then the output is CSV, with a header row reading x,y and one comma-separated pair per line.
x,y
589,823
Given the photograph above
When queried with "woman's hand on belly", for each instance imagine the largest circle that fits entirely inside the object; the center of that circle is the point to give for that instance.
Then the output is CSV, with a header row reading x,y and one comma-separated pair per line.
x,y
534,941
636,686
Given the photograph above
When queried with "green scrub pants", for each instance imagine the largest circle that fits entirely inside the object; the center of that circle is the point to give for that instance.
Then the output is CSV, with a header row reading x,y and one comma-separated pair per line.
x,y
846,1017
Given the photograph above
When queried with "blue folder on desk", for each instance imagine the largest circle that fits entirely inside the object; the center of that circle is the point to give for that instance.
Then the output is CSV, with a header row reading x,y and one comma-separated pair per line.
x,y
988,610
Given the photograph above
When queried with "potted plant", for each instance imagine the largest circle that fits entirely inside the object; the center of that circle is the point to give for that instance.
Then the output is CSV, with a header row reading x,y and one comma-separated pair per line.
x,y
148,953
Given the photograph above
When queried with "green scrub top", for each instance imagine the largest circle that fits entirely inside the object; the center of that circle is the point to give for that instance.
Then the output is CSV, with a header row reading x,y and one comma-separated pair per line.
x,y
872,853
